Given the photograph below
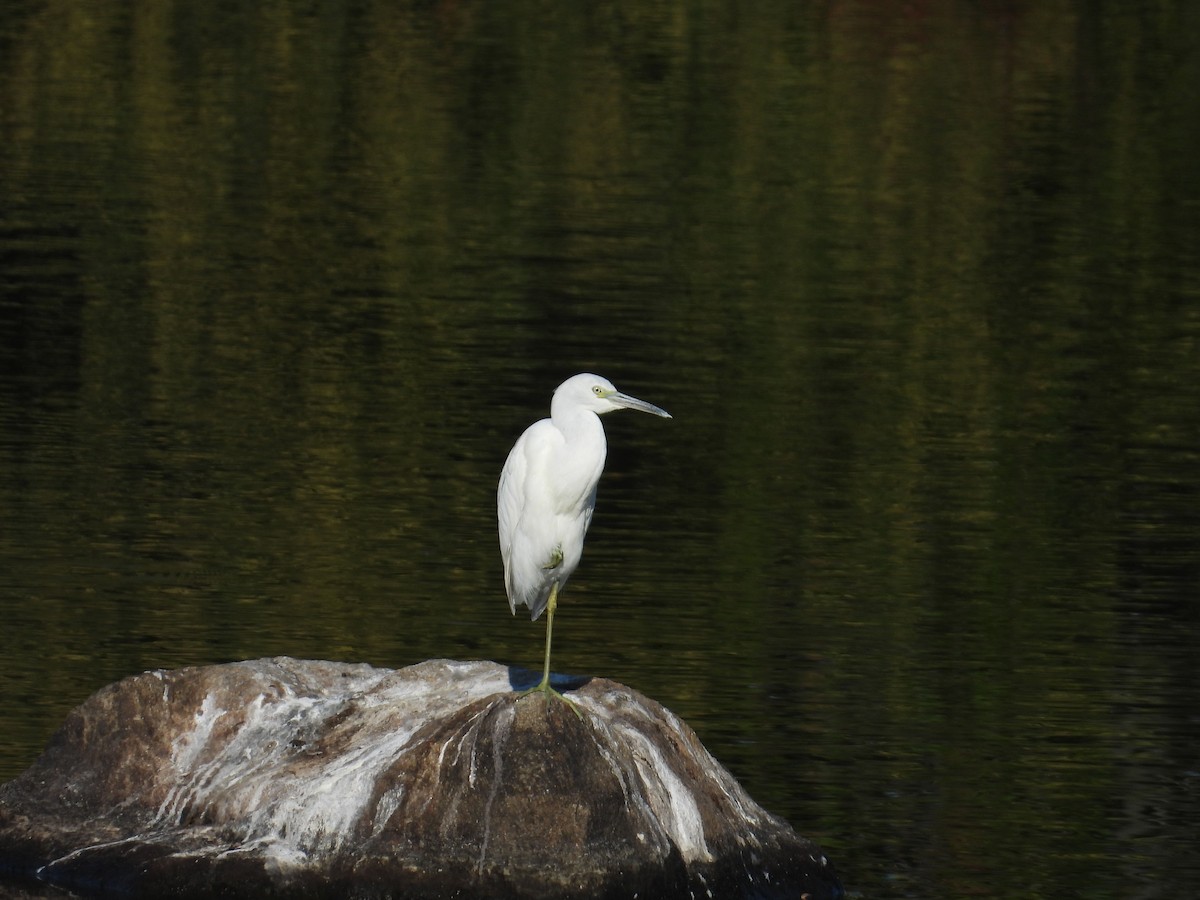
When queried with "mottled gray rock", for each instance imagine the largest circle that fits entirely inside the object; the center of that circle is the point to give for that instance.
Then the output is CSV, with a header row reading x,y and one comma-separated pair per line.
x,y
282,777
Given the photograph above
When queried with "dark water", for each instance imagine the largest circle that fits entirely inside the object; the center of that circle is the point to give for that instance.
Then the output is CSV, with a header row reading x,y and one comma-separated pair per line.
x,y
919,554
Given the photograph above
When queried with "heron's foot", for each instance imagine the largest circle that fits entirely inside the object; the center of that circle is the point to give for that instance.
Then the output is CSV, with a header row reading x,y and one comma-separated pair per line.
x,y
556,559
544,687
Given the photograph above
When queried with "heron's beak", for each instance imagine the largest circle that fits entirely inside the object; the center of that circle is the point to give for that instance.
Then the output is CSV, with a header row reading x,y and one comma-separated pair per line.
x,y
628,402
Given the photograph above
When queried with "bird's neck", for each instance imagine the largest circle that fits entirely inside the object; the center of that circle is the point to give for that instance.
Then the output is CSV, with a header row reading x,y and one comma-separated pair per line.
x,y
578,424
584,435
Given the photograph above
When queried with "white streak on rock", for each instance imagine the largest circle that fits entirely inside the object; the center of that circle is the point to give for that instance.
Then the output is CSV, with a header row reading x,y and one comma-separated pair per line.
x,y
670,800
236,775
499,736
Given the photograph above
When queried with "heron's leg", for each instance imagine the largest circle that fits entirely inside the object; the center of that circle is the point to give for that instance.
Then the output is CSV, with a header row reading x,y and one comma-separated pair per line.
x,y
544,684
551,605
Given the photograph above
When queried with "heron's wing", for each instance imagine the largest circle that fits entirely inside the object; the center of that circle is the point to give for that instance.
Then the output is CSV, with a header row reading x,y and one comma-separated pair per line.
x,y
510,502
524,545
510,495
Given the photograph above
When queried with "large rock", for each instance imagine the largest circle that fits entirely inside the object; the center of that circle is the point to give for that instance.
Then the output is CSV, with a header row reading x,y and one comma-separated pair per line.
x,y
284,777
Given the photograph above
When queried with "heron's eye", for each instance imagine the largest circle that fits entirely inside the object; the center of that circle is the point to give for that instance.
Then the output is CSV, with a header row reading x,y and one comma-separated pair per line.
x,y
598,391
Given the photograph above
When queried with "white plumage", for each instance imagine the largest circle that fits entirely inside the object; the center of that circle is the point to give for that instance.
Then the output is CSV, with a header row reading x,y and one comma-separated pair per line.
x,y
548,490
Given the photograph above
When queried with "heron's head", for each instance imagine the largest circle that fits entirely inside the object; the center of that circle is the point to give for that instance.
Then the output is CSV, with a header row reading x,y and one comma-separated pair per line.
x,y
598,394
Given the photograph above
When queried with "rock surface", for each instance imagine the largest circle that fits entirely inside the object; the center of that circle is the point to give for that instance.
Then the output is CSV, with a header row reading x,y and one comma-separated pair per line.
x,y
283,777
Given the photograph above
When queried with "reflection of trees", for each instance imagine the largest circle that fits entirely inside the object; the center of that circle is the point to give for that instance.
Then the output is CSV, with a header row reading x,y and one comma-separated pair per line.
x,y
924,272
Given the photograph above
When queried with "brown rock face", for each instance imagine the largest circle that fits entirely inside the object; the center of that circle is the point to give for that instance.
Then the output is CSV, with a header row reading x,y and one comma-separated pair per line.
x,y
295,778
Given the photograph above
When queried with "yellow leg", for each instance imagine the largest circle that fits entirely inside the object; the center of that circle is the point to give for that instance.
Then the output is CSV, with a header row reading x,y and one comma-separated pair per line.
x,y
544,684
551,605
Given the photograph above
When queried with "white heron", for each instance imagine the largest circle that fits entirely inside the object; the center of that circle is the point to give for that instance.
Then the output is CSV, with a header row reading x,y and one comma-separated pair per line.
x,y
547,493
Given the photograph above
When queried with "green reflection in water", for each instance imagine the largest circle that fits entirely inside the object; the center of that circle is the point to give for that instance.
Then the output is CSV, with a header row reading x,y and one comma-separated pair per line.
x,y
918,554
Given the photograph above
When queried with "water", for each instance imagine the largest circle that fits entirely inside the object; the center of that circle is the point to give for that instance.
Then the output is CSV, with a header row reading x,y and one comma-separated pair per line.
x,y
918,555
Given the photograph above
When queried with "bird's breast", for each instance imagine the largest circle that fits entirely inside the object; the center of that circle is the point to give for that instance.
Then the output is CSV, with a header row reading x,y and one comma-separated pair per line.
x,y
574,482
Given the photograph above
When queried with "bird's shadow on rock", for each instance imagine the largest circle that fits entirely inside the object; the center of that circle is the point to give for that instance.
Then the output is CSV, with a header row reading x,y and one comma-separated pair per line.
x,y
523,679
